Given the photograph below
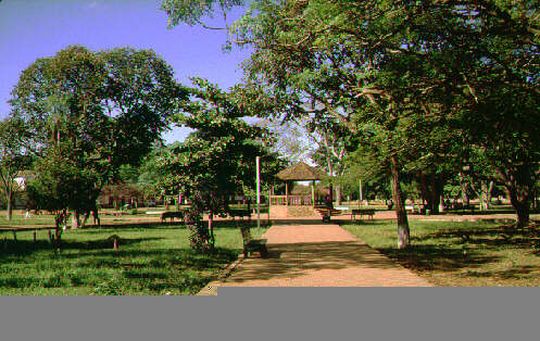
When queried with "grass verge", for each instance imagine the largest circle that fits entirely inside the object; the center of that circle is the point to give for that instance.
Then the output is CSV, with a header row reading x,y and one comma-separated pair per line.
x,y
154,260
460,253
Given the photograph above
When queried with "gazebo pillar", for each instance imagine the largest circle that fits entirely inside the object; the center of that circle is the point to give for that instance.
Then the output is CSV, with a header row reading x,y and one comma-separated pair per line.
x,y
286,193
313,193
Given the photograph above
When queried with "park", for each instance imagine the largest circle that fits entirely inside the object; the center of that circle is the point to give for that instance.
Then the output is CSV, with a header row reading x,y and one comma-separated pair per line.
x,y
364,145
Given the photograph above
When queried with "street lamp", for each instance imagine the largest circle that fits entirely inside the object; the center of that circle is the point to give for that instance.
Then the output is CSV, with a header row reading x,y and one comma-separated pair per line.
x,y
258,166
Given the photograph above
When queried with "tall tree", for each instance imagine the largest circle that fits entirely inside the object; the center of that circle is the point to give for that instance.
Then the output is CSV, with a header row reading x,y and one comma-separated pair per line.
x,y
61,185
396,71
110,106
492,62
314,50
215,161
14,158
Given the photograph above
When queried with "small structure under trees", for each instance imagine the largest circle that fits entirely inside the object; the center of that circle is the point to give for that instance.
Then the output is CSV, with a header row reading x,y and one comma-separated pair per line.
x,y
294,205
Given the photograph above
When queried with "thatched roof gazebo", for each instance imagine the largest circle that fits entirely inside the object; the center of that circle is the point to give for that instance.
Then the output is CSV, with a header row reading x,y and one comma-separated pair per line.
x,y
298,172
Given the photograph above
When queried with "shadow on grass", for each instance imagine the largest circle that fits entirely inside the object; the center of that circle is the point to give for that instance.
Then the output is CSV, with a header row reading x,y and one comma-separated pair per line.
x,y
28,247
132,225
438,258
468,248
122,272
156,259
496,237
521,272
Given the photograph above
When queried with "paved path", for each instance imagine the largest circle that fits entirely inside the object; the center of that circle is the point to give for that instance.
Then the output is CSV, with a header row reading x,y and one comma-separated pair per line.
x,y
317,256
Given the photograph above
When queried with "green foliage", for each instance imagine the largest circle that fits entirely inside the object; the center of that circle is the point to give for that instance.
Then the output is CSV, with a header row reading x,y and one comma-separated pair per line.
x,y
419,84
112,105
93,115
218,159
15,157
193,11
128,174
59,183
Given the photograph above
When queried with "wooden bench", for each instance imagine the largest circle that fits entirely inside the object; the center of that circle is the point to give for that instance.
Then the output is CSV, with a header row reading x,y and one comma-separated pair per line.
x,y
253,245
327,212
171,215
461,207
362,213
239,213
113,213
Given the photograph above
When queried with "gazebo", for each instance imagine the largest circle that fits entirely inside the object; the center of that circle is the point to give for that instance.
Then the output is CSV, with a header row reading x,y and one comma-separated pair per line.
x,y
289,204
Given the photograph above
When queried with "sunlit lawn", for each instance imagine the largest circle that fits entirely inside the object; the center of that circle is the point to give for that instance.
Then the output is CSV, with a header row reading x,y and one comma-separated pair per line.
x,y
154,260
46,219
460,253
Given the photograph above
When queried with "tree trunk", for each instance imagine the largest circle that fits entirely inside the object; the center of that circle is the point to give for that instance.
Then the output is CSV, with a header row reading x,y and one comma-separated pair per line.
x,y
338,195
85,218
211,229
435,193
96,218
401,214
75,220
464,189
10,205
520,202
423,189
485,195
488,193
60,221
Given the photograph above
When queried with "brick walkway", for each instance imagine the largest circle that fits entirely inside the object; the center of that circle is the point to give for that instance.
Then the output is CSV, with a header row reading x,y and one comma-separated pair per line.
x,y
317,256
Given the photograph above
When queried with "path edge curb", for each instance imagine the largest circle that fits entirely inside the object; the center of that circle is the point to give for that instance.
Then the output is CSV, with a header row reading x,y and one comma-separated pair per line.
x,y
211,288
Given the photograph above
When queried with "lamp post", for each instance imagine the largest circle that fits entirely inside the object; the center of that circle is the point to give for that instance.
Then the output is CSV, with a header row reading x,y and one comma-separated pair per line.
x,y
360,190
258,166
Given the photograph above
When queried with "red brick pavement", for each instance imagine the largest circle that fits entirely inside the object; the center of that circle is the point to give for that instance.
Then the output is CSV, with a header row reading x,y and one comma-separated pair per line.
x,y
318,256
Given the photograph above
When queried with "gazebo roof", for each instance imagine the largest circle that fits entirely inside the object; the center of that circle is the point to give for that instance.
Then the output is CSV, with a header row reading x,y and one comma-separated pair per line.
x,y
300,172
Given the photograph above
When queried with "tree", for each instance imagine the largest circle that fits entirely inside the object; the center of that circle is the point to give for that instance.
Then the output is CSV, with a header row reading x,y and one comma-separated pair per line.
x,y
150,176
493,56
289,139
193,11
109,106
215,161
333,140
61,185
14,141
408,78
314,50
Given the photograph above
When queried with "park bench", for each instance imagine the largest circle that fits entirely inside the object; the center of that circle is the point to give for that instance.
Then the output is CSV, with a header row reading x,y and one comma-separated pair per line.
x,y
327,212
171,215
468,208
413,209
252,245
362,212
240,214
461,207
113,213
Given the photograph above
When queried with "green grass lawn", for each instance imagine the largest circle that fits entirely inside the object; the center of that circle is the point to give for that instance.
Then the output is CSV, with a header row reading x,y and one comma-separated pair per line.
x,y
154,260
460,253
18,219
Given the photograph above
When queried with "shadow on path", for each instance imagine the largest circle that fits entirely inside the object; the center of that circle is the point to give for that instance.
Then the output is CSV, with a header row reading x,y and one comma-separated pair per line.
x,y
340,263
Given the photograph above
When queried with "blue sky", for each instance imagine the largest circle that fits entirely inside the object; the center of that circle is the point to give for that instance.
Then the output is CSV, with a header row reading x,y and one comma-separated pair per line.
x,y
30,29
